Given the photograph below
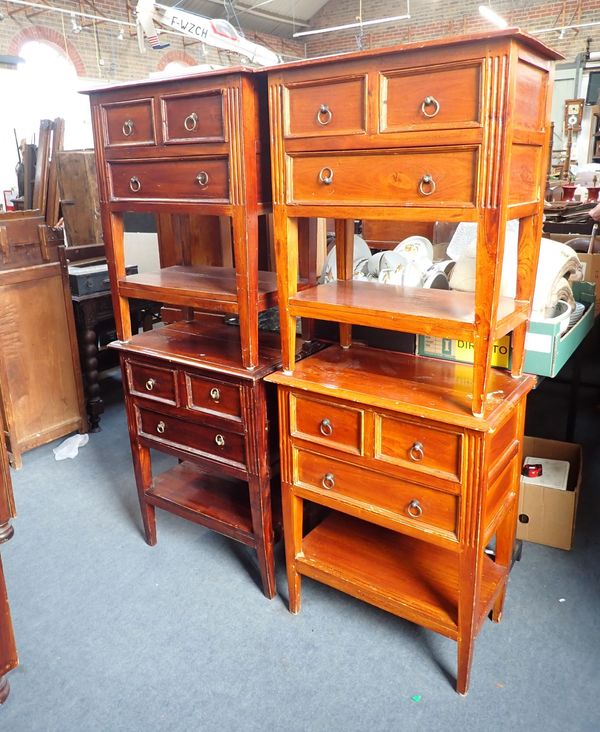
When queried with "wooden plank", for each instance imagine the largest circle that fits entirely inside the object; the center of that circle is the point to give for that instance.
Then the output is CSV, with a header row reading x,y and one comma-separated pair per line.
x,y
78,189
40,186
29,157
53,200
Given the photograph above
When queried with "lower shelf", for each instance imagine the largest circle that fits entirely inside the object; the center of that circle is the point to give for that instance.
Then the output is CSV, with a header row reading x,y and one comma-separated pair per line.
x,y
221,504
399,574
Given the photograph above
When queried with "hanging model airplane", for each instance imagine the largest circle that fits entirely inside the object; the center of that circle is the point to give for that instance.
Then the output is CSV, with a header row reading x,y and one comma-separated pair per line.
x,y
214,32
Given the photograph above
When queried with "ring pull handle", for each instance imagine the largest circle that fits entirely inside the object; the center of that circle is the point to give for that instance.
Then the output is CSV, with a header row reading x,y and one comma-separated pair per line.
x,y
414,509
427,185
328,481
427,103
220,440
160,427
326,175
150,384
324,115
326,428
190,122
416,452
215,394
202,178
128,127
135,184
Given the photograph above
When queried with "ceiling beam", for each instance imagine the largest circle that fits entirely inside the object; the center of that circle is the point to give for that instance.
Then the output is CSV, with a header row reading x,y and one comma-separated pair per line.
x,y
248,9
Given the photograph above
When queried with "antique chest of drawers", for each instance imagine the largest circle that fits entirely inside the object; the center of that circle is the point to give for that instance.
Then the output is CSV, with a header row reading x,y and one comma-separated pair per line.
x,y
452,130
185,148
188,395
416,486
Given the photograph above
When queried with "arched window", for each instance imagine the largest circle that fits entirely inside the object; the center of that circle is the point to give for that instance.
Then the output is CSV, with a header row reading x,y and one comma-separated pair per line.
x,y
44,86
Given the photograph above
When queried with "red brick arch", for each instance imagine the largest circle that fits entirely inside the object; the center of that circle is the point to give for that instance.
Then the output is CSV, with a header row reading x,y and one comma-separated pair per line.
x,y
176,56
52,38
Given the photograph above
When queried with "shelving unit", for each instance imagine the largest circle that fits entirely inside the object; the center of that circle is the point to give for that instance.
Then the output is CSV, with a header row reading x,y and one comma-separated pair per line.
x,y
184,149
417,460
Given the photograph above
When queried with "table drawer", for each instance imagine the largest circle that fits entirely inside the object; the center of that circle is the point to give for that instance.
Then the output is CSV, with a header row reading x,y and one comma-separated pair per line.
x,y
129,123
152,382
326,107
328,424
430,178
215,397
194,438
194,117
191,180
418,446
443,97
365,489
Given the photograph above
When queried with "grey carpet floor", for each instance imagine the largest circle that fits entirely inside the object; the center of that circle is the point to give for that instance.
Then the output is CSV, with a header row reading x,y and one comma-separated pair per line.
x,y
115,635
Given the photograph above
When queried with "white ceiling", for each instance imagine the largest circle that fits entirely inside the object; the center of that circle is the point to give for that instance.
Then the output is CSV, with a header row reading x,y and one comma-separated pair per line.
x,y
279,17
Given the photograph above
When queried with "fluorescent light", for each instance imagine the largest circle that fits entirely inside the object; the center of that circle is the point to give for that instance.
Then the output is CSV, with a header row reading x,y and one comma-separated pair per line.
x,y
359,24
493,17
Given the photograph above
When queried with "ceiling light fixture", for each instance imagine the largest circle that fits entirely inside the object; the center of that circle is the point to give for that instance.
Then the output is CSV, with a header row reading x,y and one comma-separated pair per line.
x,y
352,25
359,24
492,17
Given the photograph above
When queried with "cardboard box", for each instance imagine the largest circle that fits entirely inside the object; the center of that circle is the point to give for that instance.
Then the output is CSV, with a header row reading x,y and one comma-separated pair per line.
x,y
546,348
547,515
462,351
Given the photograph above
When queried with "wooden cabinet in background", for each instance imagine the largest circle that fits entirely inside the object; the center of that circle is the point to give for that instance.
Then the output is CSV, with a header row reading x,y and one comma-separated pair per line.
x,y
40,379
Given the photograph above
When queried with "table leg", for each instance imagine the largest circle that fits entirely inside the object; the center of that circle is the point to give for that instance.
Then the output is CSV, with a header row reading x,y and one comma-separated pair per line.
x,y
89,357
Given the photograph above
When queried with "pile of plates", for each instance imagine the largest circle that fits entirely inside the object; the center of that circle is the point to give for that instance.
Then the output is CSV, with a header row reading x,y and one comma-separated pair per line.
x,y
410,264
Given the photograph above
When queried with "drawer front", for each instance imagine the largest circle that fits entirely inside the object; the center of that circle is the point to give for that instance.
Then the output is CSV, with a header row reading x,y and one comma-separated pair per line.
x,y
418,447
441,98
194,117
190,180
327,424
431,178
129,123
195,438
215,397
152,382
326,107
365,489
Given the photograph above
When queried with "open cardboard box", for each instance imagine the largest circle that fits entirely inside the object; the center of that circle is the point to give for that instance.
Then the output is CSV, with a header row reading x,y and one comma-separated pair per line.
x,y
546,348
547,515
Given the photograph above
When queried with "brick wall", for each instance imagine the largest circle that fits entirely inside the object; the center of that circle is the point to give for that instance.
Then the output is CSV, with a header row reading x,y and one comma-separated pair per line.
x,y
97,53
439,18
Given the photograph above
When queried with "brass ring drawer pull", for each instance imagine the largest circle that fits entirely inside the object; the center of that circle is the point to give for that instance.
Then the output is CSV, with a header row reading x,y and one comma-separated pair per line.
x,y
220,440
161,427
414,509
326,176
190,122
135,184
215,394
202,178
150,384
427,181
324,115
128,127
328,481
416,452
326,428
427,103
